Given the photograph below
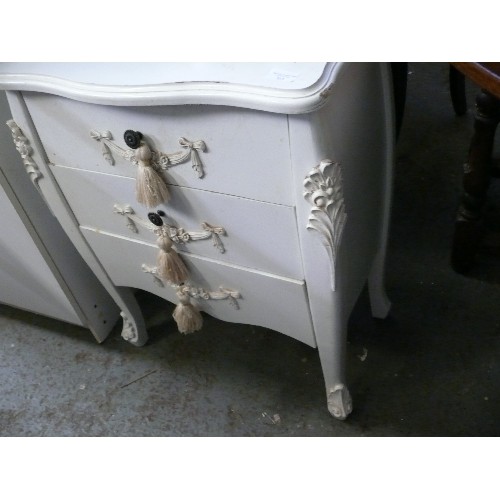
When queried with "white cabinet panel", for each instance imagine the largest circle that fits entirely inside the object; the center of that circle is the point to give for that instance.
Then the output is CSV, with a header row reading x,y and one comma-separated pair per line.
x,y
40,269
26,281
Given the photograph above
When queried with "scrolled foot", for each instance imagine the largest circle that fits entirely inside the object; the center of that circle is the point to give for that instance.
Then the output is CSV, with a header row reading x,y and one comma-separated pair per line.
x,y
339,402
132,332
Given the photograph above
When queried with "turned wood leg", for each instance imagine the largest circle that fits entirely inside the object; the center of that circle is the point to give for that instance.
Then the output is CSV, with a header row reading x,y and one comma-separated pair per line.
x,y
399,72
457,91
475,182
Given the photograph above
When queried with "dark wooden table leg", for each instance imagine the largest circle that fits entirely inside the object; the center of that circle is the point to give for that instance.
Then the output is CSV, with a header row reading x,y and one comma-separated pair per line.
x,y
457,91
468,230
399,84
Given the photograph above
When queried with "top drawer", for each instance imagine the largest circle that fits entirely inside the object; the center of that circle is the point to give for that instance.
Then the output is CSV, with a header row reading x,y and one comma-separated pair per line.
x,y
247,151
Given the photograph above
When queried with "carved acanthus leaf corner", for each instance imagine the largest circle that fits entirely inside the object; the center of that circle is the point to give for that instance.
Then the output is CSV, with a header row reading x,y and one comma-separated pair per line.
x,y
324,191
24,149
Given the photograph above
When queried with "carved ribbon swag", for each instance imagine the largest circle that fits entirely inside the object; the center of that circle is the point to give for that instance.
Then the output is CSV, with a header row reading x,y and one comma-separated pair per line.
x,y
186,315
151,188
171,268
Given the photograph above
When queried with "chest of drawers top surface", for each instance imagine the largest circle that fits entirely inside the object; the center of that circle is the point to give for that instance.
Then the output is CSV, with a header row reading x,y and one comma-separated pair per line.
x,y
276,87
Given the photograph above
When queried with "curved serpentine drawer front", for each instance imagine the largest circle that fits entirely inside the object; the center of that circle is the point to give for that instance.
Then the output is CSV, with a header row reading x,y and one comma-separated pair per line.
x,y
264,299
235,146
248,233
237,203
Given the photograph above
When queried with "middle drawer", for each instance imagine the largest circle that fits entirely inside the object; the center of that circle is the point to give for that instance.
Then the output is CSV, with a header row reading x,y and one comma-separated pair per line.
x,y
257,235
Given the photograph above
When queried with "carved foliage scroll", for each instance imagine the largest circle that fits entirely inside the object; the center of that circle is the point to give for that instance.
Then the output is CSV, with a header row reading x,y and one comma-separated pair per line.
x,y
24,149
324,191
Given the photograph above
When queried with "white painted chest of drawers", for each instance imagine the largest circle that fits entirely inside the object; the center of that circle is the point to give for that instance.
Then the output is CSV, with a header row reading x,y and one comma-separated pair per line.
x,y
279,182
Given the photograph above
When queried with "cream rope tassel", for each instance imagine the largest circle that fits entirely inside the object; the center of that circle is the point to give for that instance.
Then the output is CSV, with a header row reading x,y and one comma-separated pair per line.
x,y
150,187
168,262
187,317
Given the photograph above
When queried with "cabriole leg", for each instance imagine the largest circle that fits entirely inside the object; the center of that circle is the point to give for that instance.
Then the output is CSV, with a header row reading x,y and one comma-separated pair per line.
x,y
332,354
379,302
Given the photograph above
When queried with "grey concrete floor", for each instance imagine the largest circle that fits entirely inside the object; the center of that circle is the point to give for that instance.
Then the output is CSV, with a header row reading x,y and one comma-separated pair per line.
x,y
431,367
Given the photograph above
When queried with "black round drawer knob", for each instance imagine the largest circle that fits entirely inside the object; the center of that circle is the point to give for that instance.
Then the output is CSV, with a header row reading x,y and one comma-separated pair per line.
x,y
132,138
155,219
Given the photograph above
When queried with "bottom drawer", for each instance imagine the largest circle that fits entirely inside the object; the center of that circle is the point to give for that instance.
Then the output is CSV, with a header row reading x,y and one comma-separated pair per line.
x,y
266,300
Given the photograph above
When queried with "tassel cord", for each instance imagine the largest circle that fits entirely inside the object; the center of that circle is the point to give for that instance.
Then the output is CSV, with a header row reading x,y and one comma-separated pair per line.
x,y
170,265
151,189
187,317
